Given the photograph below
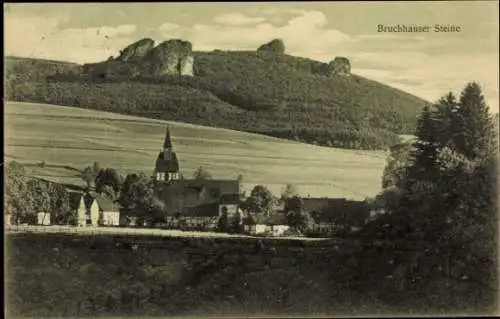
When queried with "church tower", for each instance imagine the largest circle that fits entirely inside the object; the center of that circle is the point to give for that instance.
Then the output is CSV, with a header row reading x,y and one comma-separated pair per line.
x,y
167,164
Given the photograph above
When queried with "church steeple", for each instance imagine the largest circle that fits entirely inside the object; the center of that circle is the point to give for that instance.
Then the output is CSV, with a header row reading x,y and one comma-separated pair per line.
x,y
167,144
167,164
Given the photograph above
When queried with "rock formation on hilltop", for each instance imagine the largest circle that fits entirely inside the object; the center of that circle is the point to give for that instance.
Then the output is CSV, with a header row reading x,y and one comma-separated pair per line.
x,y
142,58
275,46
171,57
339,66
136,50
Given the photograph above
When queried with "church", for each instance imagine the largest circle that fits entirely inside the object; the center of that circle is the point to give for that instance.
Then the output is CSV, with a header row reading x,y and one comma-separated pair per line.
x,y
198,202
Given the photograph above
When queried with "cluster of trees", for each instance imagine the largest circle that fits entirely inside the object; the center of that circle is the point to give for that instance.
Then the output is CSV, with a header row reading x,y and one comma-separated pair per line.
x,y
26,196
441,200
246,91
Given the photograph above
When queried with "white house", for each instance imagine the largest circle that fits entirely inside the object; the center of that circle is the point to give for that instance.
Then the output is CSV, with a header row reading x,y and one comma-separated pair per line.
x,y
109,213
277,225
43,218
87,210
257,224
255,228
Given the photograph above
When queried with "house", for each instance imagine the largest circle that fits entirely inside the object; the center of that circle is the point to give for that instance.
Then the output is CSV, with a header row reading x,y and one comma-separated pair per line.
x,y
109,212
255,224
8,219
334,213
43,218
275,225
95,209
205,215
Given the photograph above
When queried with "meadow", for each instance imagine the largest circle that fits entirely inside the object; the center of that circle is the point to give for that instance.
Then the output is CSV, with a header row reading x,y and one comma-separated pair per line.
x,y
68,139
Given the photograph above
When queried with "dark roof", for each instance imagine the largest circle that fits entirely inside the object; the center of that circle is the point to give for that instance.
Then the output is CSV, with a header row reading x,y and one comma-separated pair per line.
x,y
315,204
277,219
169,164
167,144
228,189
336,210
203,210
106,204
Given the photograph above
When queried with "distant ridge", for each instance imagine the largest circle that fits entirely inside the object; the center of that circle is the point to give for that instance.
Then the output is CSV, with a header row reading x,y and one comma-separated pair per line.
x,y
262,91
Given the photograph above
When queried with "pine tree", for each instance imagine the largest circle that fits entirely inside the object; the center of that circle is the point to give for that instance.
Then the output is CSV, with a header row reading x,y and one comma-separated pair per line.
x,y
424,155
475,131
446,118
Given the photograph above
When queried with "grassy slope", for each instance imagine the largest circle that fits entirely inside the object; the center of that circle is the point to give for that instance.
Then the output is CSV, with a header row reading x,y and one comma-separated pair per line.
x,y
247,91
75,137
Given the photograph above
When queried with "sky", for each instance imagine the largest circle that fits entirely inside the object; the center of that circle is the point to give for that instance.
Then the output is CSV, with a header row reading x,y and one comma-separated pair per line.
x,y
425,64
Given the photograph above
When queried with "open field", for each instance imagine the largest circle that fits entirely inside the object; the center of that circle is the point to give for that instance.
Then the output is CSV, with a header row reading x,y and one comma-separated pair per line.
x,y
68,138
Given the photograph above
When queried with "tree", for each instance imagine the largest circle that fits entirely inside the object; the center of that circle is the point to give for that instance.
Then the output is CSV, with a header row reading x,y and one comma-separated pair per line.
x,y
18,200
59,203
90,173
448,212
201,174
108,177
295,215
475,128
138,198
446,120
290,191
293,204
261,200
395,170
423,155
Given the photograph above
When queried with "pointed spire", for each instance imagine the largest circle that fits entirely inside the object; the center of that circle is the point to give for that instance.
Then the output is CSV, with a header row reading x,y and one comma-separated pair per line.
x,y
168,143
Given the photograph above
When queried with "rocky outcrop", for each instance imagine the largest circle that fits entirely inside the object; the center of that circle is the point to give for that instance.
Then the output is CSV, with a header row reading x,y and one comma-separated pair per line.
x,y
188,66
172,57
339,66
136,50
275,46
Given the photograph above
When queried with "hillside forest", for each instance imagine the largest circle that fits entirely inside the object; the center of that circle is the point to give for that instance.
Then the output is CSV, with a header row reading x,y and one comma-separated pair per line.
x,y
260,92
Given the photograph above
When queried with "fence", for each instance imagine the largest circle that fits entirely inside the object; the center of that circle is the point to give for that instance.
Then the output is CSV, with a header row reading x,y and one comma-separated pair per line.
x,y
119,231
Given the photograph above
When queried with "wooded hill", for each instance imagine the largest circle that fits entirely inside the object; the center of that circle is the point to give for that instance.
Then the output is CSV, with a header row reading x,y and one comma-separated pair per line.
x,y
261,92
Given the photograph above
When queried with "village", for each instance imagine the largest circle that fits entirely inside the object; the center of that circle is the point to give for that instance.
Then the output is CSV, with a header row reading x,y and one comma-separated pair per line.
x,y
207,204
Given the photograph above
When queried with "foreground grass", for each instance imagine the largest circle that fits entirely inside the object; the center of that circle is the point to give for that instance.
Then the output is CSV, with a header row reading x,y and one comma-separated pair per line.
x,y
71,279
56,276
65,138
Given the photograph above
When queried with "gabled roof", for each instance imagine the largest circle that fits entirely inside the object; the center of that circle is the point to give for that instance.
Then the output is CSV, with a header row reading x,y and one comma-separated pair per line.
x,y
106,204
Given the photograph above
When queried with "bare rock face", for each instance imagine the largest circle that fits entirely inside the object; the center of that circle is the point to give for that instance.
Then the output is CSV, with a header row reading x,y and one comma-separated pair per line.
x,y
188,66
172,57
339,66
275,46
136,50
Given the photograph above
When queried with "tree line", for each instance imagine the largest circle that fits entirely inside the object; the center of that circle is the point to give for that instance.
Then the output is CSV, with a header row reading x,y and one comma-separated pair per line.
x,y
440,199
